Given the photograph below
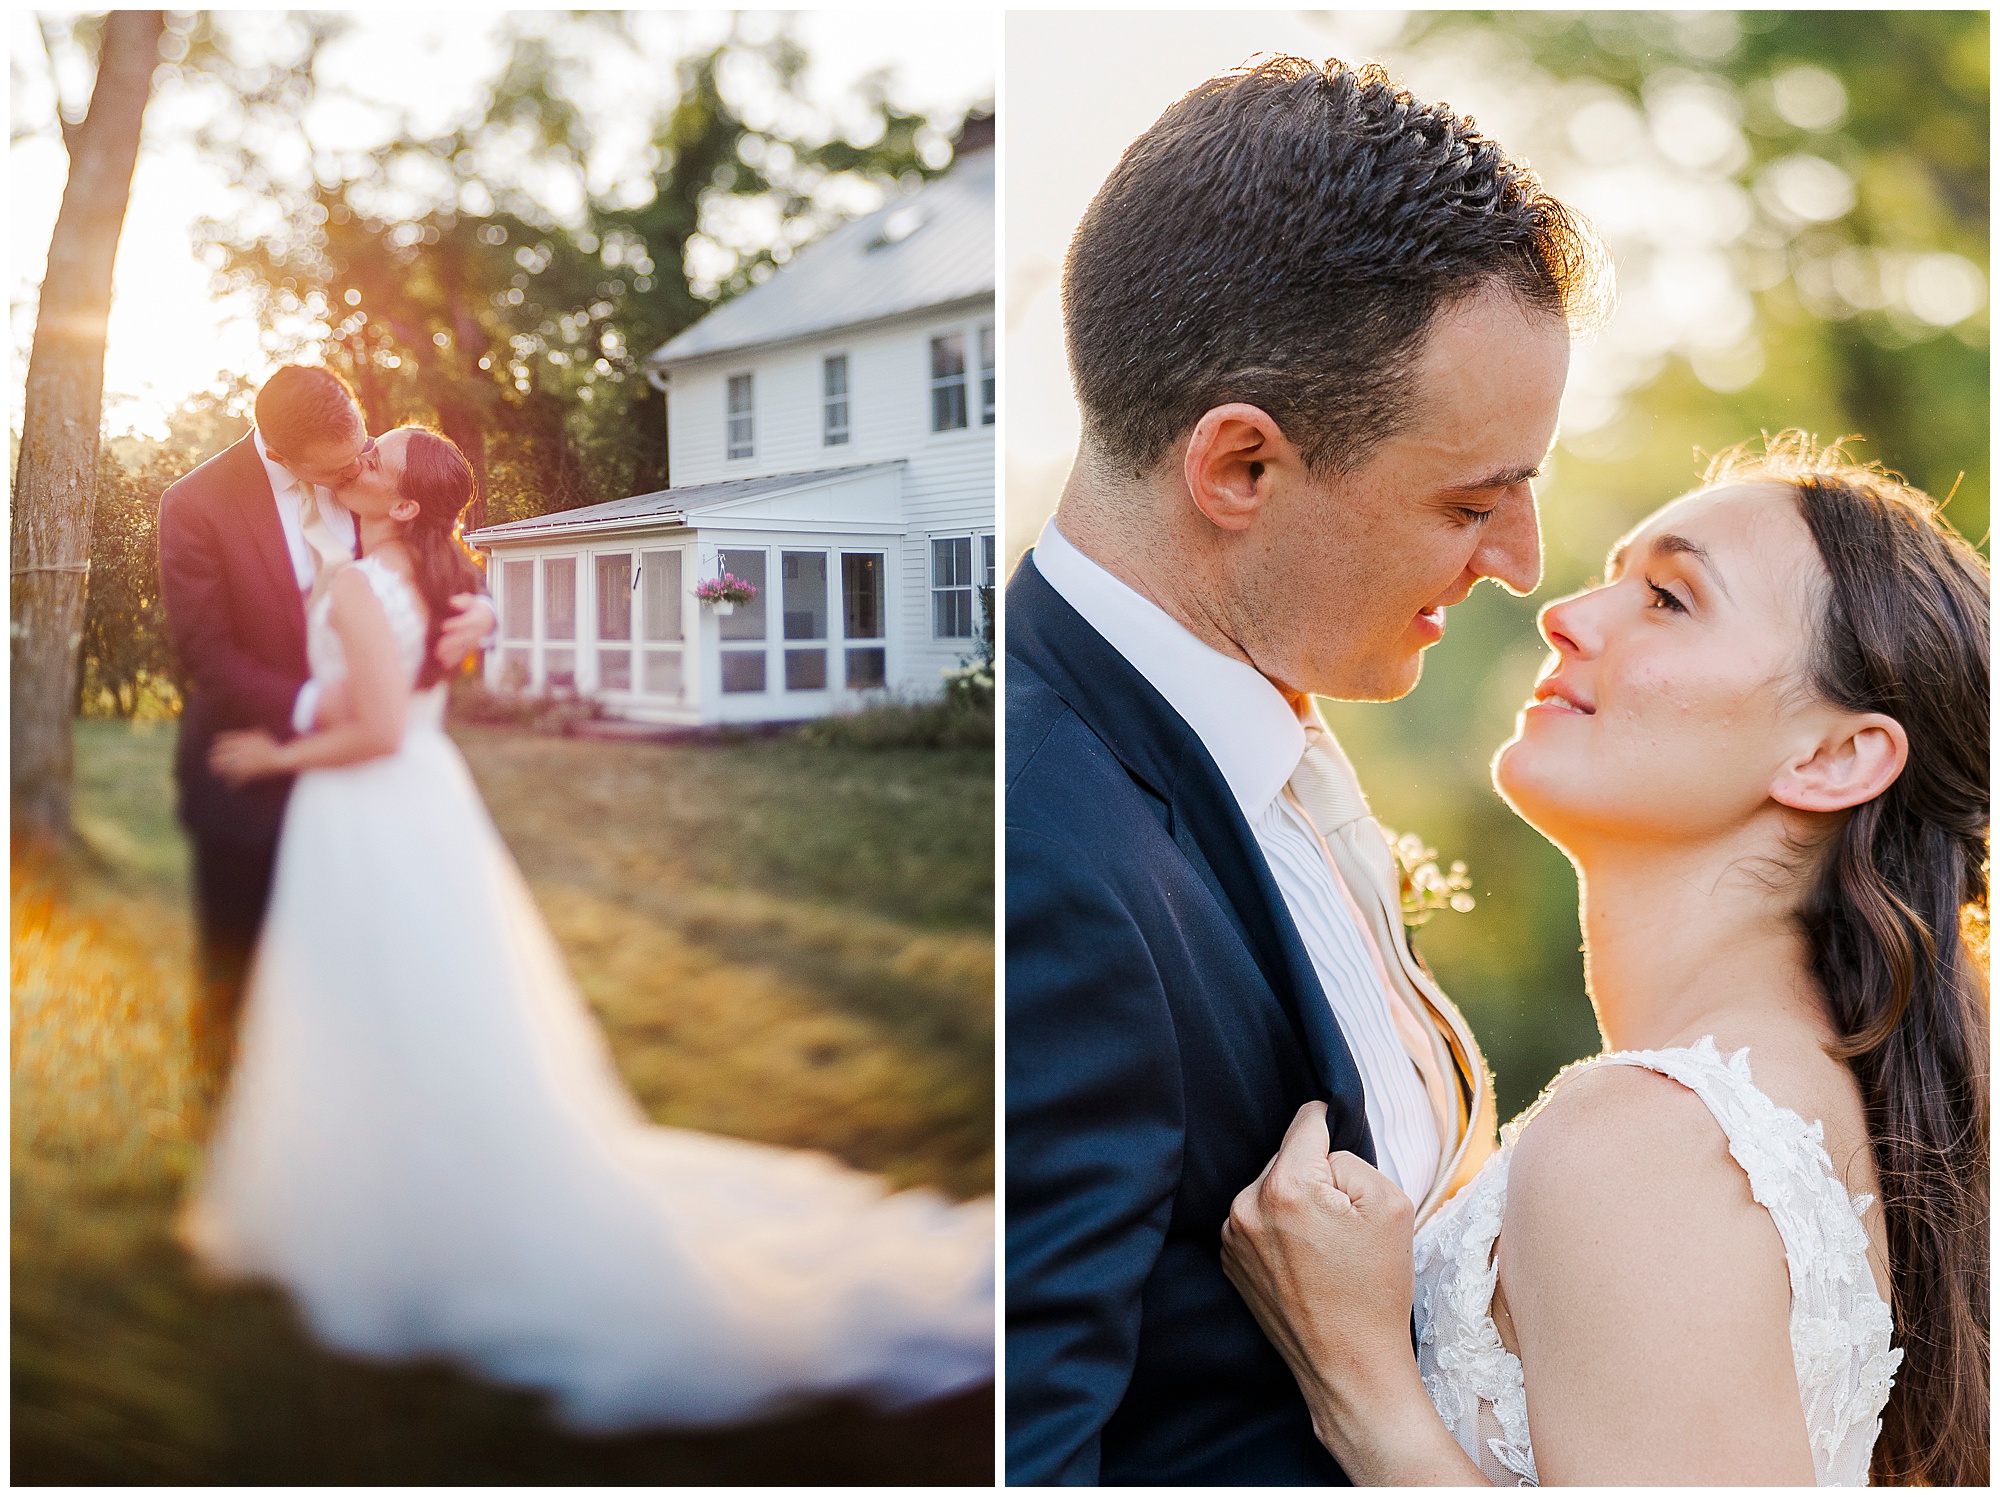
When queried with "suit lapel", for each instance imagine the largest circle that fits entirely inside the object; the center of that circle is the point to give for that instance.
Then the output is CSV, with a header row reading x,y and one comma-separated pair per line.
x,y
257,513
1159,749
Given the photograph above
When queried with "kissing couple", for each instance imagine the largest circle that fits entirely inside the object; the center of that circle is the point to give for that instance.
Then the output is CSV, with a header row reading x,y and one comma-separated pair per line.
x,y
420,1133
1259,1230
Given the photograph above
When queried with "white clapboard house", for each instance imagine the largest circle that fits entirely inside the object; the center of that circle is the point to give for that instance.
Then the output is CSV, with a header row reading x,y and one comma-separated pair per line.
x,y
830,437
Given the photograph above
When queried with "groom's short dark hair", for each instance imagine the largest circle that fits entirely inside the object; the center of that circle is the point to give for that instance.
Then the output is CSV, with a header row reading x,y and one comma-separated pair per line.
x,y
301,404
1284,236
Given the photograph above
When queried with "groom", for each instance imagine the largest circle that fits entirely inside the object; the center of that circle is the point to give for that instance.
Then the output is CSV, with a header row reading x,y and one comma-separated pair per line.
x,y
242,539
1318,332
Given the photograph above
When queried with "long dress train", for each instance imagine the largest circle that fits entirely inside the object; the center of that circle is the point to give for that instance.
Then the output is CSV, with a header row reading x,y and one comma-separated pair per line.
x,y
425,1141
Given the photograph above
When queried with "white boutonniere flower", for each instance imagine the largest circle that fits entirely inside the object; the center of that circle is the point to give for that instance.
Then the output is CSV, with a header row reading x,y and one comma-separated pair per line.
x,y
1426,890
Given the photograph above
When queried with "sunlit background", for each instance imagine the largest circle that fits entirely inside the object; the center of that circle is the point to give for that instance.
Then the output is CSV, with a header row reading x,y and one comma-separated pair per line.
x,y
1797,204
416,74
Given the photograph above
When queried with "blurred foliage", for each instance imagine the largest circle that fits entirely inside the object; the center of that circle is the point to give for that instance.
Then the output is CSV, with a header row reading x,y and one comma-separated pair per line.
x,y
128,662
433,272
1860,294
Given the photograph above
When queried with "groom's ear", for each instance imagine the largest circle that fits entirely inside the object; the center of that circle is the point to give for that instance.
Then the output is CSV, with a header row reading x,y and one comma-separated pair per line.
x,y
1857,759
1228,463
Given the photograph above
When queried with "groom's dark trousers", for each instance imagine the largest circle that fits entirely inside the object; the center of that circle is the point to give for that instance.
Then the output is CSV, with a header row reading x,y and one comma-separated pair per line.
x,y
239,631
1163,1025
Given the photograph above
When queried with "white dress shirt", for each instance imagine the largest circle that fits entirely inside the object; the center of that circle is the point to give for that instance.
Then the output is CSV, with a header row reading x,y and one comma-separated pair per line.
x,y
289,491
1255,738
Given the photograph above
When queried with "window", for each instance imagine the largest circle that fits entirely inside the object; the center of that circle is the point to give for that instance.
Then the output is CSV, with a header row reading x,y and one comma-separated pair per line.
x,y
805,594
614,596
987,577
834,386
863,580
951,588
559,670
517,669
660,576
661,621
746,621
805,670
614,621
867,668
861,590
948,382
517,598
743,669
742,431
805,618
663,672
559,597
986,388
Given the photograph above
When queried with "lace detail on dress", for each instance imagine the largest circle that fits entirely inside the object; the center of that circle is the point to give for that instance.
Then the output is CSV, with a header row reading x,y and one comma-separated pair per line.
x,y
407,621
1840,1325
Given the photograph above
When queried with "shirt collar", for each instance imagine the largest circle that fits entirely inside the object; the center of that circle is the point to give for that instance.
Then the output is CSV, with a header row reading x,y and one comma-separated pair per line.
x,y
282,478
1244,722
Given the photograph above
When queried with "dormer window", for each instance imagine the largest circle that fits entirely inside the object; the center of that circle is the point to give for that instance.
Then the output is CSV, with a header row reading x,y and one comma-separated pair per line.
x,y
900,225
833,382
948,382
742,428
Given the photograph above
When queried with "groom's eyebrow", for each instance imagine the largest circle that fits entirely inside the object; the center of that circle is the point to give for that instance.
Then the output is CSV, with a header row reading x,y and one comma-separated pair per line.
x,y
1505,479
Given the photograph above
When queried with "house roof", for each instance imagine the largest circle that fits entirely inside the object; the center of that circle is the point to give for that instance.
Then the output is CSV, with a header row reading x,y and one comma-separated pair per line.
x,y
923,249
671,506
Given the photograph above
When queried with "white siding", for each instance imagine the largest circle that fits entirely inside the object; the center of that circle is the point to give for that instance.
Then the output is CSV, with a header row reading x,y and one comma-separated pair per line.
x,y
948,487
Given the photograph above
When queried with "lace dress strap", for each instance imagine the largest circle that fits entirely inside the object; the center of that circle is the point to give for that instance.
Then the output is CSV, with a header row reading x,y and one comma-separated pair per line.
x,y
1841,1328
408,621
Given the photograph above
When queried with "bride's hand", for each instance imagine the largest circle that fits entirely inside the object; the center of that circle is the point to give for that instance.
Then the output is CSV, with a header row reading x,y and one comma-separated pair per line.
x,y
1319,1247
246,756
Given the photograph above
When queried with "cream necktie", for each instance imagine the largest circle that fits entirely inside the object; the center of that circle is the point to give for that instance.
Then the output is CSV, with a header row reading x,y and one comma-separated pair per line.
x,y
329,551
1328,795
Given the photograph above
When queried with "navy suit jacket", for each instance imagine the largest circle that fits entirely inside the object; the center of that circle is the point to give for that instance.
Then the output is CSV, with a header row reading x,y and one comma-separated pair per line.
x,y
239,631
1164,1024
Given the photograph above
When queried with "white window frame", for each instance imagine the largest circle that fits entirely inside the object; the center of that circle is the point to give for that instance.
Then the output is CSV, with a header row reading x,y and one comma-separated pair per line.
x,y
739,447
936,384
980,545
830,433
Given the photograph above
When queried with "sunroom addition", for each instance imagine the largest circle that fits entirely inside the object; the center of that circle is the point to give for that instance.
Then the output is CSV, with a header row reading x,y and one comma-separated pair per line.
x,y
603,601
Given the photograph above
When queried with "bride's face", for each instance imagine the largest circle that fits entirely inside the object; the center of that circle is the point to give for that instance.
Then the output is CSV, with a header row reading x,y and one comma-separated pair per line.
x,y
1677,692
372,492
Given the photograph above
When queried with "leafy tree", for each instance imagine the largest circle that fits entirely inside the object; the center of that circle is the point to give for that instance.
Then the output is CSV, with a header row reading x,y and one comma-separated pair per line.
x,y
446,289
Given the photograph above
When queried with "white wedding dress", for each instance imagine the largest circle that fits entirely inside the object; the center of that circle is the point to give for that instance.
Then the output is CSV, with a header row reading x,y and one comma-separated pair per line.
x,y
1840,1324
425,1141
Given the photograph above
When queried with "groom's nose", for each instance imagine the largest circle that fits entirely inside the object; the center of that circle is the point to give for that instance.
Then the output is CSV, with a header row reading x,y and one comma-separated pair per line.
x,y
1510,545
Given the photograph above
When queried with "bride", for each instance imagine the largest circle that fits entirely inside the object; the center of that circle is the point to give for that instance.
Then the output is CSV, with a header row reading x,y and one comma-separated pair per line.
x,y
1748,1244
424,1139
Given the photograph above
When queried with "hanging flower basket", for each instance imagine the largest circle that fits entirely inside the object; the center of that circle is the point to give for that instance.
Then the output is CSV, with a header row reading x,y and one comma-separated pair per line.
x,y
725,592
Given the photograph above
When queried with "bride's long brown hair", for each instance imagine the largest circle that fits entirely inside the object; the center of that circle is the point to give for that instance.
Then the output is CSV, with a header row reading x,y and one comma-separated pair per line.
x,y
1896,921
437,476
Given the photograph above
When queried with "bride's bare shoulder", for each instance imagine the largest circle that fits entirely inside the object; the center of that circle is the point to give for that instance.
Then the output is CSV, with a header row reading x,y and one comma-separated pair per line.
x,y
1647,1290
1615,1146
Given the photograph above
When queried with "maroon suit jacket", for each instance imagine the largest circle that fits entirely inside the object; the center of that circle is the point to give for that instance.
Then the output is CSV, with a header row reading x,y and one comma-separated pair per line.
x,y
239,628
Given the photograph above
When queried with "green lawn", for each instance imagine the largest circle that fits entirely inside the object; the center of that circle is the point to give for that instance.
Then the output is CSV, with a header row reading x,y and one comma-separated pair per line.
x,y
784,942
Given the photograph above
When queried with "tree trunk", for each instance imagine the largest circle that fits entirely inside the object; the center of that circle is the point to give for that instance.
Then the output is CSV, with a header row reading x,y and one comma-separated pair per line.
x,y
55,478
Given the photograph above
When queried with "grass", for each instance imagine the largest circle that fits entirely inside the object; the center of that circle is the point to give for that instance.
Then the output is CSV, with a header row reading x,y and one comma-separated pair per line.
x,y
785,942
